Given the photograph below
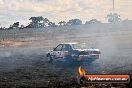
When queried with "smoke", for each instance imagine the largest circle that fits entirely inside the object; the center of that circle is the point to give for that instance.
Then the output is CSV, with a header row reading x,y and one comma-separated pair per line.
x,y
113,41
14,57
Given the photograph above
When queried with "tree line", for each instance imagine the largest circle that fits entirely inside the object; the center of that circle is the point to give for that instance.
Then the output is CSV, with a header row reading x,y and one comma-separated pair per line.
x,y
41,22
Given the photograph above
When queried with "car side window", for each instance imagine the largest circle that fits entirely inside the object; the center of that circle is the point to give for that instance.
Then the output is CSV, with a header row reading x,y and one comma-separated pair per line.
x,y
66,47
70,48
58,48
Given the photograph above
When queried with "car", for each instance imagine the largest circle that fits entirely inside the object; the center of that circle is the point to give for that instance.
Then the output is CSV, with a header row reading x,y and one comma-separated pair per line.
x,y
72,52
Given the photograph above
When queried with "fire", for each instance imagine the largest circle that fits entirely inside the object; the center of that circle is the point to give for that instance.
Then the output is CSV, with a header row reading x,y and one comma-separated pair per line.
x,y
81,71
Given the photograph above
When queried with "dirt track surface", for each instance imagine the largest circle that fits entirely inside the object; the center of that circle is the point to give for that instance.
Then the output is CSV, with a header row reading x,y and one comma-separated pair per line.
x,y
23,63
32,71
29,68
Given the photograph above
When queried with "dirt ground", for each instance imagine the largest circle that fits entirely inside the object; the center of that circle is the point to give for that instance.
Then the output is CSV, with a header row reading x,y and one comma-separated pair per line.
x,y
37,72
24,65
26,69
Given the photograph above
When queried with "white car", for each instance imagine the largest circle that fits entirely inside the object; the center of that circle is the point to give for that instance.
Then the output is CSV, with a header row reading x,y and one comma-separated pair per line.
x,y
71,52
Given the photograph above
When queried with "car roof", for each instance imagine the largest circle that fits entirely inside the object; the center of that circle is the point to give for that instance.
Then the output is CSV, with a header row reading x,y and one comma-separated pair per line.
x,y
93,49
70,43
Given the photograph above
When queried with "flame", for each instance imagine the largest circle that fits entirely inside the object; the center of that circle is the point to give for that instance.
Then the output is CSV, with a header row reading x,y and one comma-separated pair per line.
x,y
81,71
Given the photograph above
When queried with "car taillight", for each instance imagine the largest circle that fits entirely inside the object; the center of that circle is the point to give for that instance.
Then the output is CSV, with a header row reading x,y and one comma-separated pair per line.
x,y
96,52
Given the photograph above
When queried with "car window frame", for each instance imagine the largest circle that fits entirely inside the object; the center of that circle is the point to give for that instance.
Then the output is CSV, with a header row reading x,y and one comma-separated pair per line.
x,y
58,46
68,48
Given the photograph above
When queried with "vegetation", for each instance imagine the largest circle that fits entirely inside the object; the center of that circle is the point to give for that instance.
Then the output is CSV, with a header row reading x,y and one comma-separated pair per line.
x,y
113,18
93,21
15,25
40,22
74,22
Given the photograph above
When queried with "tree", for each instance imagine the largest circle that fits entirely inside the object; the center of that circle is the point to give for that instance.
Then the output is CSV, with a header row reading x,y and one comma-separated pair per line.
x,y
51,24
74,22
93,21
113,18
34,22
38,22
62,23
22,26
14,26
45,22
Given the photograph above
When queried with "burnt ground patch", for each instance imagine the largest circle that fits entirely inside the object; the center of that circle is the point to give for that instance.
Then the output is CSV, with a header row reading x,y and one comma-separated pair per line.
x,y
32,71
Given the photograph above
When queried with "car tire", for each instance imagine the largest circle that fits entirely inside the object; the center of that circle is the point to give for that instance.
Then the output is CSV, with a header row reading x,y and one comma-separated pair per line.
x,y
49,58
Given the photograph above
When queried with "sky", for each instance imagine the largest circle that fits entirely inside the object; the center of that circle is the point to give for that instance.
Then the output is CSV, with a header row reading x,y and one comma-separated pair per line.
x,y
59,10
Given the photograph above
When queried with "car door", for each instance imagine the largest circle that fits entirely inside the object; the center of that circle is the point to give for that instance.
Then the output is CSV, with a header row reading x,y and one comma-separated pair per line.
x,y
58,51
65,50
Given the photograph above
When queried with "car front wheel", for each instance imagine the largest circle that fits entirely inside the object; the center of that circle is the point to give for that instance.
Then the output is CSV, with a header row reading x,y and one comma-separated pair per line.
x,y
49,58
